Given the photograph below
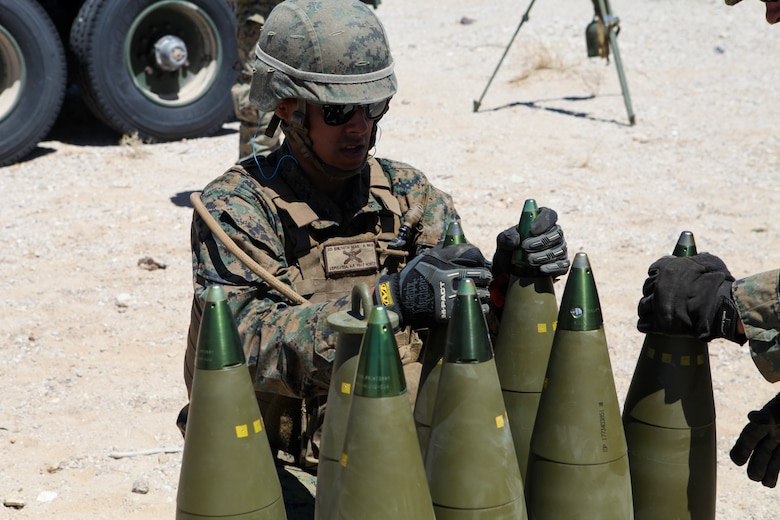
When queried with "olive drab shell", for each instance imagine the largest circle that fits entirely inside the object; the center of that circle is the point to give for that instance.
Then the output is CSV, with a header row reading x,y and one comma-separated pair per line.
x,y
323,52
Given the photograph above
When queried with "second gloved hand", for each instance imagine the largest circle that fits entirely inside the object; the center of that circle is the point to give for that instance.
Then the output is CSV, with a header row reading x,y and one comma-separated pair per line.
x,y
689,296
423,293
545,249
759,443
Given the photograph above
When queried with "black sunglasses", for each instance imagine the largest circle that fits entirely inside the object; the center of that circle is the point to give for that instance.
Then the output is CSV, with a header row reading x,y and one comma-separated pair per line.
x,y
336,115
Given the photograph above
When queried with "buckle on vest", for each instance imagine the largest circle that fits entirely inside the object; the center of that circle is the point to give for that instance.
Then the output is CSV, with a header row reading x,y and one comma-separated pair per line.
x,y
352,258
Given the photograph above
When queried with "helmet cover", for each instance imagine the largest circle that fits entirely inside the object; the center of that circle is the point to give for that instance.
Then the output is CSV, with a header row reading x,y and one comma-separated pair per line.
x,y
324,52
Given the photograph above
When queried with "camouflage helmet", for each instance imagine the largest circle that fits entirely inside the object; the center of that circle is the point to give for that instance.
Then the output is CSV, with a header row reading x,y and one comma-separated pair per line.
x,y
324,52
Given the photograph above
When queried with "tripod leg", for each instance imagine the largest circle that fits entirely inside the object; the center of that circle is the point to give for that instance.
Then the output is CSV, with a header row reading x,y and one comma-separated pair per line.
x,y
606,10
622,77
522,21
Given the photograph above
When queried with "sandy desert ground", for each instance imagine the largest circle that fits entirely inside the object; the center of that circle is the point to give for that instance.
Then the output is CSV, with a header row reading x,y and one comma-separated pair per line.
x,y
91,341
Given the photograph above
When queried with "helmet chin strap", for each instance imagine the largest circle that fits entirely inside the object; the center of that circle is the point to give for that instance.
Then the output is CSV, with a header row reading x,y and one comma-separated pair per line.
x,y
296,131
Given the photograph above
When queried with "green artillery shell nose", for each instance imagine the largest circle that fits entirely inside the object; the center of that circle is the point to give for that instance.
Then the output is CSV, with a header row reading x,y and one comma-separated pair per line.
x,y
520,265
580,307
686,245
219,345
454,235
379,372
467,336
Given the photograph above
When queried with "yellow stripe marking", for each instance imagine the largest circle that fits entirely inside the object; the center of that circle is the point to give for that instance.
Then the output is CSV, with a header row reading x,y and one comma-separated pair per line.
x,y
684,361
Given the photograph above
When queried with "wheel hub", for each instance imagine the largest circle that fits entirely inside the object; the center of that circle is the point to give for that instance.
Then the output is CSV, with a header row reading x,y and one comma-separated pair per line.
x,y
170,53
173,53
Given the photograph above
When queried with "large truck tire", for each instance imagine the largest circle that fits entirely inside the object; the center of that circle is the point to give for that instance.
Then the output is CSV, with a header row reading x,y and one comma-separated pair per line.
x,y
33,77
161,68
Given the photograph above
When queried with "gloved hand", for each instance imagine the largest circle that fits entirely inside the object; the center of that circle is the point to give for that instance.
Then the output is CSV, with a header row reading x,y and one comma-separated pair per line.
x,y
759,442
546,248
424,291
689,296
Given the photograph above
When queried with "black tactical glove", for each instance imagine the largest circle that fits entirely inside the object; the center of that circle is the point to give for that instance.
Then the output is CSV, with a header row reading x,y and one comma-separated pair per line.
x,y
689,296
424,292
759,442
546,248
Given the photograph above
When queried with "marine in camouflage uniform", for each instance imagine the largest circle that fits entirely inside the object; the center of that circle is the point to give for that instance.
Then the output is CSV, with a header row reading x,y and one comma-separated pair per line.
x,y
250,17
757,298
320,226
756,303
275,212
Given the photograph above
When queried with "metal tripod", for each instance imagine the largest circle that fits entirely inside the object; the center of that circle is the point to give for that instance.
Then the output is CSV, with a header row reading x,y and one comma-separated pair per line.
x,y
610,24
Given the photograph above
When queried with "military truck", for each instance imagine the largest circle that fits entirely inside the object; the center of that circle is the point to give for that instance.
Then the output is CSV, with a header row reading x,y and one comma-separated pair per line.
x,y
159,68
